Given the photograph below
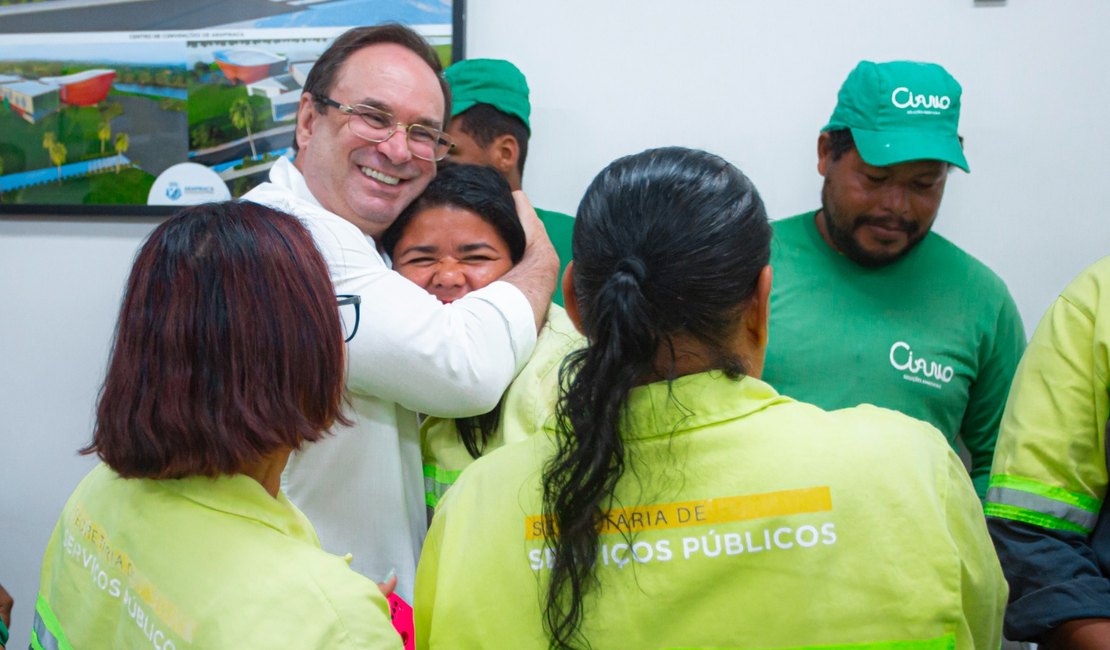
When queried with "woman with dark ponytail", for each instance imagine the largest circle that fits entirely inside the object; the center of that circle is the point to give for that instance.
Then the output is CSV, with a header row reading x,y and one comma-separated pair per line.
x,y
679,501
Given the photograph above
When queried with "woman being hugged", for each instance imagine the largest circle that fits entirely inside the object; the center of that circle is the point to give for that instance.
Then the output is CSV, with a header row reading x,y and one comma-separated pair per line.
x,y
460,235
228,355
681,502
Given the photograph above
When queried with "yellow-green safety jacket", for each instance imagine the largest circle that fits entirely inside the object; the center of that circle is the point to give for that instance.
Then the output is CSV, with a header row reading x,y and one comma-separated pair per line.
x,y
525,408
744,520
1049,480
197,563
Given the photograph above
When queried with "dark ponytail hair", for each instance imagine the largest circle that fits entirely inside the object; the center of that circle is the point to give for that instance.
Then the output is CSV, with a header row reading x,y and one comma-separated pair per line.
x,y
666,242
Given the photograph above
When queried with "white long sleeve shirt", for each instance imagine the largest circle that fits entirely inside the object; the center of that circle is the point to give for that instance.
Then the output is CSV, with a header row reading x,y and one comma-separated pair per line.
x,y
362,487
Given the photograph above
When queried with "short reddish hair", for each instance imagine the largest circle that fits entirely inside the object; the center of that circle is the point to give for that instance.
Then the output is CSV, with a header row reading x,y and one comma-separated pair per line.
x,y
229,346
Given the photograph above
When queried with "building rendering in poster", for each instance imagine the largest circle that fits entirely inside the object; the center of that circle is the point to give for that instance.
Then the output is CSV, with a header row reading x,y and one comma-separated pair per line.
x,y
101,99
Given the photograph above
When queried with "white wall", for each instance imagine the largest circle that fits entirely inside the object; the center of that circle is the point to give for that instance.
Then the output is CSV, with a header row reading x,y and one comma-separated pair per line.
x,y
751,80
60,288
755,81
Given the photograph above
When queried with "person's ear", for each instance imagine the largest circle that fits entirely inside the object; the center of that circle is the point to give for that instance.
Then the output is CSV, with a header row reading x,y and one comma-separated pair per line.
x,y
570,298
756,323
306,120
504,153
824,153
761,306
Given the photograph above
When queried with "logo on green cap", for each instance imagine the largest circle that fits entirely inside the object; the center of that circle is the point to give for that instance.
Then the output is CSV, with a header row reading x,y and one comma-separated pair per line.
x,y
904,98
901,111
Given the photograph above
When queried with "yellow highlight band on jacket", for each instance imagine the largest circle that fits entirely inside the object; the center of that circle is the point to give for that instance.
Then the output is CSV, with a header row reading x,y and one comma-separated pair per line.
x,y
701,512
1076,499
46,632
946,642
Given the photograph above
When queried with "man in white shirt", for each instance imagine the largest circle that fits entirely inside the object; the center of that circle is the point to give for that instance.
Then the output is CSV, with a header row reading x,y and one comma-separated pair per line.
x,y
369,132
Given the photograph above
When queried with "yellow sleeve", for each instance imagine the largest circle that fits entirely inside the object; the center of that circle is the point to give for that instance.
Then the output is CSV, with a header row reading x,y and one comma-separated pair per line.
x,y
982,585
1053,432
427,575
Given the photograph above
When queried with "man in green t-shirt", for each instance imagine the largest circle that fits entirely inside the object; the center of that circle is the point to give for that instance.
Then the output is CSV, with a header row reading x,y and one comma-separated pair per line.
x,y
489,124
868,304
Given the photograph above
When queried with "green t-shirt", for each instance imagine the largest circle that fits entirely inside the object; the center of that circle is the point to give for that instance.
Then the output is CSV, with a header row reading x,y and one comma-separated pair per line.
x,y
935,335
560,228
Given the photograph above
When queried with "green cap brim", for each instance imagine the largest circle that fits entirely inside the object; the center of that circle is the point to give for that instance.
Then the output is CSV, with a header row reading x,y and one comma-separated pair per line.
x,y
883,148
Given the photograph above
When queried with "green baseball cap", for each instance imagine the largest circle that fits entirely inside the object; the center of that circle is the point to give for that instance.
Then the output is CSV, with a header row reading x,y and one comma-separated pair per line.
x,y
901,111
489,81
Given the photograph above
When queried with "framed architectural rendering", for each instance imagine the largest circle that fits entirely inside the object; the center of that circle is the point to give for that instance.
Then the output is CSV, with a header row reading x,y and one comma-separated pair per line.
x,y
133,107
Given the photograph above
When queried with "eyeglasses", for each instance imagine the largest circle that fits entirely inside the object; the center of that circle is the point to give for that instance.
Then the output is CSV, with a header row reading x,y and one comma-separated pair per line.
x,y
349,314
376,125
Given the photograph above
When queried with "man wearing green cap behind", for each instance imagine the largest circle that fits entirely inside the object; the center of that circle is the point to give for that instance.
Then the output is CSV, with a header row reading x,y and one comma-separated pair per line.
x,y
907,320
490,126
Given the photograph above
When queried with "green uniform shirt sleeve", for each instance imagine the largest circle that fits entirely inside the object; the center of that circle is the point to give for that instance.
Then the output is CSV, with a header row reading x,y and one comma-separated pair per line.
x,y
560,228
987,395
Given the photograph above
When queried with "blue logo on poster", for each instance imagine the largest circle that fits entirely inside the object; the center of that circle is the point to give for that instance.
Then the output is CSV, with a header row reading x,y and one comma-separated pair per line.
x,y
186,184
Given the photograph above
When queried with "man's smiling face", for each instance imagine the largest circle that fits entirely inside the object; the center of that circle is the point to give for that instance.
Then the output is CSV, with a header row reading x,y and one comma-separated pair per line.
x,y
364,182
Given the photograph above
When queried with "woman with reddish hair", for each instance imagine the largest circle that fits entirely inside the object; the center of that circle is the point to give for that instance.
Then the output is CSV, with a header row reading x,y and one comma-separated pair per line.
x,y
228,355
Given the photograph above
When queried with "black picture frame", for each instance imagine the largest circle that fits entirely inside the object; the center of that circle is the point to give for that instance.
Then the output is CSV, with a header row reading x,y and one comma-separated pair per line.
x,y
190,31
